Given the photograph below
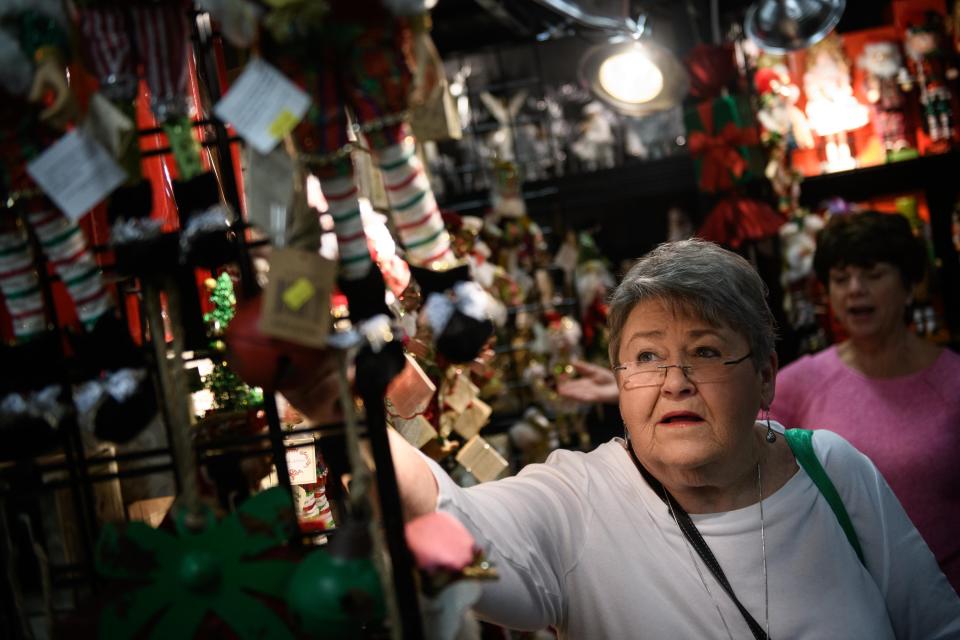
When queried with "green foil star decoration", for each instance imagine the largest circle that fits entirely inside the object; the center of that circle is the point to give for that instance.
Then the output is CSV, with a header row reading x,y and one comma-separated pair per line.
x,y
171,581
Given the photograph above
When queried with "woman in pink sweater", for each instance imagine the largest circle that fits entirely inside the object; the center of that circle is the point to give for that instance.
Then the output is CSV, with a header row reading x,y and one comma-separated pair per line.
x,y
893,395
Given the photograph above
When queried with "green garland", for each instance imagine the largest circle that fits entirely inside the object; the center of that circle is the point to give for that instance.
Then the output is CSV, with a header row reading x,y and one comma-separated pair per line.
x,y
230,393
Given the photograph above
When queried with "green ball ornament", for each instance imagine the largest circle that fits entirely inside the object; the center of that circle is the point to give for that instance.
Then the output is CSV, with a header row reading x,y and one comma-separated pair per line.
x,y
335,597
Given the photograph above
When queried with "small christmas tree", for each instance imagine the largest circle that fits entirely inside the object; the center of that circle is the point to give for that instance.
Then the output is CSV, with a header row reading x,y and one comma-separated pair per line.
x,y
230,393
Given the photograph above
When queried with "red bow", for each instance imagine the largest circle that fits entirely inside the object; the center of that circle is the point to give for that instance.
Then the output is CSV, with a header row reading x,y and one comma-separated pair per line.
x,y
721,160
736,220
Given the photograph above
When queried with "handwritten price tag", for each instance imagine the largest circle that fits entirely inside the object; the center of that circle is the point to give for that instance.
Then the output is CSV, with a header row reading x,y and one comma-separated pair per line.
x,y
262,105
76,173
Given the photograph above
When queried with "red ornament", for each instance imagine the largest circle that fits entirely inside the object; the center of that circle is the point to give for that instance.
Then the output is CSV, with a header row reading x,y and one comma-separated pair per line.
x,y
264,361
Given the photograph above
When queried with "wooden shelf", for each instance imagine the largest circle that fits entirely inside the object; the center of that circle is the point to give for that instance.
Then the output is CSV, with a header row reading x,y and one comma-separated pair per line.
x,y
919,174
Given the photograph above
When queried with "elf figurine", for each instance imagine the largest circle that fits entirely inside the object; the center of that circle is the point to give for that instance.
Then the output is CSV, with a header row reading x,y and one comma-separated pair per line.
x,y
784,127
355,58
121,40
110,377
924,44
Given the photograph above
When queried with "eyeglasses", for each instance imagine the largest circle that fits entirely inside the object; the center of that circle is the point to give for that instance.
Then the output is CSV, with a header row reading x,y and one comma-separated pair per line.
x,y
634,375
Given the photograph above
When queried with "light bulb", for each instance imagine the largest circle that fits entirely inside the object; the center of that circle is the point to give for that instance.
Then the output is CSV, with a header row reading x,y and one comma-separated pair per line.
x,y
631,77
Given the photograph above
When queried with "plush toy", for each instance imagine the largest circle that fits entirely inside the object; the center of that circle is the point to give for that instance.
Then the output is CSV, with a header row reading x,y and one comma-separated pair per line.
x,y
885,73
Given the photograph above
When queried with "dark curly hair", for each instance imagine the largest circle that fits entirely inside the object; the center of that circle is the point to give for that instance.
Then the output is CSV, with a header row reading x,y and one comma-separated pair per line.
x,y
866,238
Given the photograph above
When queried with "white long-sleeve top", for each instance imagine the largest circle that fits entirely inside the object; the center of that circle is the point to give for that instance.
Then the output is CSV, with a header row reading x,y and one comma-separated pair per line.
x,y
584,545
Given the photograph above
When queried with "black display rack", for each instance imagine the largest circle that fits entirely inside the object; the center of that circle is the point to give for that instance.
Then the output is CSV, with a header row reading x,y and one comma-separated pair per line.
x,y
79,472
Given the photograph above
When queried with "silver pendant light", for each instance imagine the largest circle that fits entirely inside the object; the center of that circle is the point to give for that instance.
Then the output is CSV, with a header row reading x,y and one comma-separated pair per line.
x,y
780,26
628,71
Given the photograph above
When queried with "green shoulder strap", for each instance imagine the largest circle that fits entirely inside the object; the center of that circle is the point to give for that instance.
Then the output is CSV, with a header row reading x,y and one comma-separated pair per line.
x,y
801,443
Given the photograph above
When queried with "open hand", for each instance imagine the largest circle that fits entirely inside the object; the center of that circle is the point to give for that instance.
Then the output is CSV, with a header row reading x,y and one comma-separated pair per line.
x,y
594,384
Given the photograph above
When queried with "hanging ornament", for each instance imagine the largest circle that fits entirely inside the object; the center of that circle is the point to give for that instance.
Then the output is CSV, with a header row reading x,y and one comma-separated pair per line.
x,y
335,593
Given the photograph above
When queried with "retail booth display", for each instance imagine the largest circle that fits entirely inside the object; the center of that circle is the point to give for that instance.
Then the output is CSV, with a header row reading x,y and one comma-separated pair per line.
x,y
241,242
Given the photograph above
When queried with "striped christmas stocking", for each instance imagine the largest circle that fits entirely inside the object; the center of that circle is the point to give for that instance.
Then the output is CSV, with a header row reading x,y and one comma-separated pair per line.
x,y
20,285
456,308
416,214
341,195
66,248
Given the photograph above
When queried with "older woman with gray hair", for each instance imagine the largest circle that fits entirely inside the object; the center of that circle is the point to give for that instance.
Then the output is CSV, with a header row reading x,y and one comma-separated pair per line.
x,y
702,522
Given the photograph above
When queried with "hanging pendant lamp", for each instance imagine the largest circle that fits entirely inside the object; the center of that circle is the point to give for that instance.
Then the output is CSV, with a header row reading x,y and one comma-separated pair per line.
x,y
780,26
635,77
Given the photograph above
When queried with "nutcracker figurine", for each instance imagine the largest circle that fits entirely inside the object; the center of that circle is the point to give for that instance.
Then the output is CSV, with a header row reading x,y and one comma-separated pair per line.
x,y
924,45
885,74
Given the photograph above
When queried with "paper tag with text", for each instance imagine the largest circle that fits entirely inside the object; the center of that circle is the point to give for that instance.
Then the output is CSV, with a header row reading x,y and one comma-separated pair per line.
x,y
480,458
268,184
418,431
262,105
76,173
296,301
302,461
109,126
473,418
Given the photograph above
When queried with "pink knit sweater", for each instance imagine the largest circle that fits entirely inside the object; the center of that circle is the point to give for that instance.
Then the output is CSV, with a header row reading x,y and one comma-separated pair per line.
x,y
909,426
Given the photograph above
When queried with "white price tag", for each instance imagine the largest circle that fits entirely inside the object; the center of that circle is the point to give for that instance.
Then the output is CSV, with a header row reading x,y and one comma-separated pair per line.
x,y
76,173
302,462
269,185
262,105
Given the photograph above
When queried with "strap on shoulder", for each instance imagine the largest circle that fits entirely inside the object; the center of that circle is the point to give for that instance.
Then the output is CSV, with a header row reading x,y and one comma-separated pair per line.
x,y
801,443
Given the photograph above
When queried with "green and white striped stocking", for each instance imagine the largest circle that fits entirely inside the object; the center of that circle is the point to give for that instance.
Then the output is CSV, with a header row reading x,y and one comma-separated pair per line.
x,y
341,195
20,285
66,248
415,211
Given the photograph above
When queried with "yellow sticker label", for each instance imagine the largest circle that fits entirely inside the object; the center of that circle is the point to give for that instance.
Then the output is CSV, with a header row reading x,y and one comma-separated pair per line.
x,y
283,124
298,294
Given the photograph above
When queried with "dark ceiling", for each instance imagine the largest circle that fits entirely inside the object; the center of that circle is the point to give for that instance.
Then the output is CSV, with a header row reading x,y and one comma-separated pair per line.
x,y
471,25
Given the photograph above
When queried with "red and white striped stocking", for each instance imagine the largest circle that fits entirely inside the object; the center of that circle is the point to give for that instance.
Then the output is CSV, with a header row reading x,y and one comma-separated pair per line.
x,y
341,195
66,248
20,285
415,211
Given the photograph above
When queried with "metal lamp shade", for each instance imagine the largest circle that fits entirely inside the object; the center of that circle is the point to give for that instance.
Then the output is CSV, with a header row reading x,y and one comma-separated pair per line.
x,y
780,26
674,76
